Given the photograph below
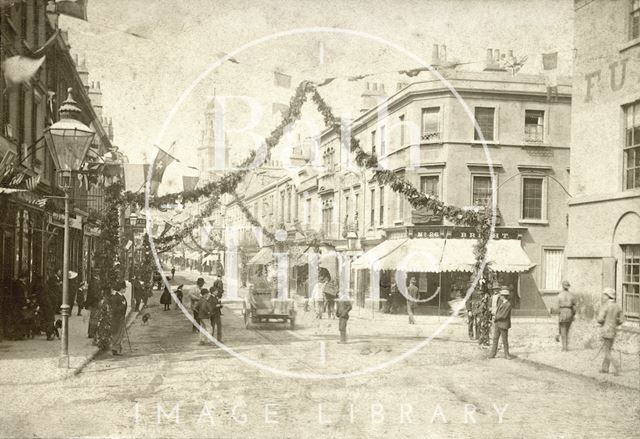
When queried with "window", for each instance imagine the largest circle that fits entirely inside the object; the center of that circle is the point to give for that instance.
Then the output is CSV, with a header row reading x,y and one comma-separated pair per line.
x,y
372,216
430,123
373,142
327,215
481,191
632,147
631,281
402,133
382,141
307,211
399,206
347,205
429,184
289,205
484,117
634,20
553,262
533,198
282,206
533,126
381,219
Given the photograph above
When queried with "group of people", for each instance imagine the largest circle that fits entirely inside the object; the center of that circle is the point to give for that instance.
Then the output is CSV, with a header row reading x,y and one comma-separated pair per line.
x,y
206,308
29,307
609,317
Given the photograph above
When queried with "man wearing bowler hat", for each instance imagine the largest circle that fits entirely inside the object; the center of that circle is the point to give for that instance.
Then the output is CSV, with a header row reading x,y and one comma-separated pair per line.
x,y
502,325
609,318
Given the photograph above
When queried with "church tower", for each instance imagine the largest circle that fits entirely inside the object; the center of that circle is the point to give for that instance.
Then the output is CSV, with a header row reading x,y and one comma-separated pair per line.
x,y
212,161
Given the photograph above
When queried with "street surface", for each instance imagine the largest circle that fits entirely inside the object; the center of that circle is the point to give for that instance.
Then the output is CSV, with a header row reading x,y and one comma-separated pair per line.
x,y
170,386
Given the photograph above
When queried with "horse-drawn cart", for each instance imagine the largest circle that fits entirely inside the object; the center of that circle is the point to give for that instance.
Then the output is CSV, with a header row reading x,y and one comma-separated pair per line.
x,y
259,306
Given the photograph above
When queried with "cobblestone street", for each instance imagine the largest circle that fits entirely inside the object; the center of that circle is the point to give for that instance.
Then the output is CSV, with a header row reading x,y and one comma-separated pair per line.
x,y
169,386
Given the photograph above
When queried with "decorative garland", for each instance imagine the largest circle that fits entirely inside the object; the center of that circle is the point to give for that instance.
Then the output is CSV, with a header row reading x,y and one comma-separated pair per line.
x,y
480,220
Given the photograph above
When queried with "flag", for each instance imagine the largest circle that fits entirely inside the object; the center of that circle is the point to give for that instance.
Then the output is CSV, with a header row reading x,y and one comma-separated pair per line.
x,y
20,69
73,8
47,44
135,176
282,80
189,183
160,164
7,164
326,81
41,202
32,182
550,61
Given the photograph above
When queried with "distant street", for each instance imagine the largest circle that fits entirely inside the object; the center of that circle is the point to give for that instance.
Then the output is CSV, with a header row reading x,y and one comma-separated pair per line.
x,y
214,394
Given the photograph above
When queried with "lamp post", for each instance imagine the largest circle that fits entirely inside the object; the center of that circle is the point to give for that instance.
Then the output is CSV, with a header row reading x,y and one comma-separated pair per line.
x,y
69,140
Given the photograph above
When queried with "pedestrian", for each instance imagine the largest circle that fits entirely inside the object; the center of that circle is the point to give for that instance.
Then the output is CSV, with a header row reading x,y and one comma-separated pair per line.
x,y
54,288
216,312
194,295
344,306
566,312
317,296
411,300
173,272
204,308
72,286
82,296
47,310
609,318
118,305
20,313
394,297
330,291
93,302
502,325
218,286
165,299
179,294
472,306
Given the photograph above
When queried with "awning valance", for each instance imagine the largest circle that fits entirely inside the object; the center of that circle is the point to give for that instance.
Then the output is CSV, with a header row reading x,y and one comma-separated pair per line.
x,y
504,255
381,250
193,255
263,257
414,255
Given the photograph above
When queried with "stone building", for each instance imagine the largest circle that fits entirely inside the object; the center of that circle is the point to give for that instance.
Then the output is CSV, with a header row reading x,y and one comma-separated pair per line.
x,y
603,249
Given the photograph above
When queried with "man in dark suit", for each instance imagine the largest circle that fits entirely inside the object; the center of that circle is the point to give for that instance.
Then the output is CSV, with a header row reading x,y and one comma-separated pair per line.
x,y
502,325
216,312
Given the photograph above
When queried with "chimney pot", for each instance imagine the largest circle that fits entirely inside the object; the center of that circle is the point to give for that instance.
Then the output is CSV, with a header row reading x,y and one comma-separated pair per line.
x,y
489,56
434,54
375,86
98,83
443,52
497,54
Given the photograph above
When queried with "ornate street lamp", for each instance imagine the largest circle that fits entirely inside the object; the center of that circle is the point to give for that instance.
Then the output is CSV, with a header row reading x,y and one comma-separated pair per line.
x,y
69,140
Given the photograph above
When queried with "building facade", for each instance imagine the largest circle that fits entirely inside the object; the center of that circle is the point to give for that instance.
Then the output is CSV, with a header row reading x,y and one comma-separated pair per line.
x,y
31,235
604,213
425,133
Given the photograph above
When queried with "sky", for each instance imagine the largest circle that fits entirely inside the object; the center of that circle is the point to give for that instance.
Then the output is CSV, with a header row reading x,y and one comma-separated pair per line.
x,y
148,53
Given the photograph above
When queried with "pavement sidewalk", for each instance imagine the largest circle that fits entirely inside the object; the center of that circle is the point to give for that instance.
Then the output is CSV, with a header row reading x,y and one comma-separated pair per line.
x,y
35,361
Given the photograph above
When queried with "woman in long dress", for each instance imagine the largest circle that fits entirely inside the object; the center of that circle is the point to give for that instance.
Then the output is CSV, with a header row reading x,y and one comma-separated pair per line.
x,y
118,312
165,299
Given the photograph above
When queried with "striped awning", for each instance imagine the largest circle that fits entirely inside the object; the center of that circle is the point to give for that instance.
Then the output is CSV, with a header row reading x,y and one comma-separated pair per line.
x,y
263,257
505,255
381,250
414,255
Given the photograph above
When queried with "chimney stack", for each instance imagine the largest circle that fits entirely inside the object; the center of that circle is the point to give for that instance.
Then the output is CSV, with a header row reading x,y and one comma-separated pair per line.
x,y
435,55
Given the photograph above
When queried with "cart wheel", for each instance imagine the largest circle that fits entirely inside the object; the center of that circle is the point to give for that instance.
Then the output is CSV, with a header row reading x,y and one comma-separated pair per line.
x,y
292,323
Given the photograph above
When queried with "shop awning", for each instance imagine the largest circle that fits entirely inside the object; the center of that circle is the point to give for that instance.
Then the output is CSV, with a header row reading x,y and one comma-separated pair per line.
x,y
209,258
505,255
381,250
414,255
193,255
263,257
